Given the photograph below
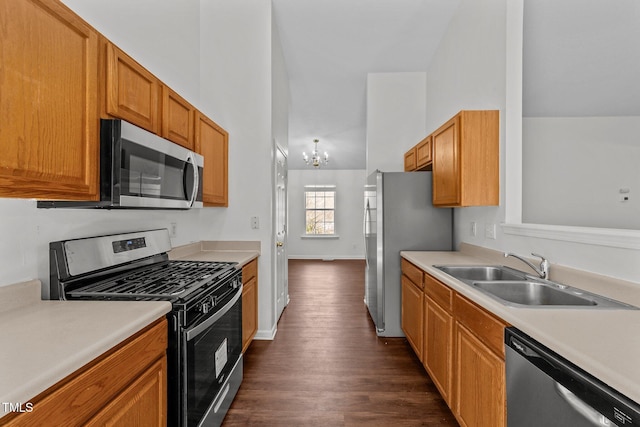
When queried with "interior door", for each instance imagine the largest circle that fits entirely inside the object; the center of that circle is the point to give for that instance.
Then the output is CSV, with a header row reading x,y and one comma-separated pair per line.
x,y
282,285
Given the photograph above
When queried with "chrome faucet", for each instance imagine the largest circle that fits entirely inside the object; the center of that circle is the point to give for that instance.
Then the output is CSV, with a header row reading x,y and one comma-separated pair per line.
x,y
542,271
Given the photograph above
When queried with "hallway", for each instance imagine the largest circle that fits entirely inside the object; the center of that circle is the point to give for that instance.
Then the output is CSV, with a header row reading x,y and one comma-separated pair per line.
x,y
327,367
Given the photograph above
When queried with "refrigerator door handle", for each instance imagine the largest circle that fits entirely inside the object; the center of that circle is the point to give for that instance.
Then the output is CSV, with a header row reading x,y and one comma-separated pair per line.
x,y
364,234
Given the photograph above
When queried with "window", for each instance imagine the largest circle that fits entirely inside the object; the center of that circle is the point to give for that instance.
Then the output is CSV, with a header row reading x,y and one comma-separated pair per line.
x,y
320,202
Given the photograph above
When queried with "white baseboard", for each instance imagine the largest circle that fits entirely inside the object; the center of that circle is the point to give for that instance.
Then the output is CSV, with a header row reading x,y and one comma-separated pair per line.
x,y
266,335
327,257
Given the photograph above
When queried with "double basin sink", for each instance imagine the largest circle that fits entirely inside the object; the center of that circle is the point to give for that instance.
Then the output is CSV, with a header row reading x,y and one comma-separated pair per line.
x,y
516,288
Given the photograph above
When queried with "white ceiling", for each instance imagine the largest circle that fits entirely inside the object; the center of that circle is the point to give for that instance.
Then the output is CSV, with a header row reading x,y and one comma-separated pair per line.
x,y
581,58
329,47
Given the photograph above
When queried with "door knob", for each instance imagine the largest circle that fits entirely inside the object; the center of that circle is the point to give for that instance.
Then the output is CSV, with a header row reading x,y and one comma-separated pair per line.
x,y
279,244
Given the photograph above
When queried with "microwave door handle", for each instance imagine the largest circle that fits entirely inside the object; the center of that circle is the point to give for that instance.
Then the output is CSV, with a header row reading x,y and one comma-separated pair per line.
x,y
196,177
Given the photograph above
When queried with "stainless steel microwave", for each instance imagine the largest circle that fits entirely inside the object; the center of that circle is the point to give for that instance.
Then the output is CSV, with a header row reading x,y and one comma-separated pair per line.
x,y
139,169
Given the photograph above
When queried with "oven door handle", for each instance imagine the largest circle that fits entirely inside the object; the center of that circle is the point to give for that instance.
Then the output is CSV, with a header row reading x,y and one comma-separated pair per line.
x,y
196,330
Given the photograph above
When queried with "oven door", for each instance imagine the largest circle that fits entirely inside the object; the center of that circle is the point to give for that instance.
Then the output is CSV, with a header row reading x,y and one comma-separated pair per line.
x,y
139,169
212,355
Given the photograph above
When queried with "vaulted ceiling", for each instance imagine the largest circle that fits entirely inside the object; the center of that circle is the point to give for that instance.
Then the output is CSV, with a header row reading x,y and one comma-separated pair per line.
x,y
329,48
580,58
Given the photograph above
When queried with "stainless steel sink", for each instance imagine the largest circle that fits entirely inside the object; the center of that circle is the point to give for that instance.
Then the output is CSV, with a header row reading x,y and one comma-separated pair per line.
x,y
515,288
532,293
471,273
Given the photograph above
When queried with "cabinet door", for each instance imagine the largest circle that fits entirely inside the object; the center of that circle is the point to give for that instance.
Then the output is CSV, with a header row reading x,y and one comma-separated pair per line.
x,y
480,382
48,102
178,117
249,312
142,404
446,164
423,153
411,315
213,143
438,344
133,93
410,160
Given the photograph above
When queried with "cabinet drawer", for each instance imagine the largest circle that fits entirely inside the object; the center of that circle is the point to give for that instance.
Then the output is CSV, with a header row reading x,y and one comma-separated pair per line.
x,y
438,292
249,271
413,273
486,327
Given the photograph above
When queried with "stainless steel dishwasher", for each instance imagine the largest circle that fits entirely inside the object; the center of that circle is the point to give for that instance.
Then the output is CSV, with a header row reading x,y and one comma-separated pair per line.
x,y
543,389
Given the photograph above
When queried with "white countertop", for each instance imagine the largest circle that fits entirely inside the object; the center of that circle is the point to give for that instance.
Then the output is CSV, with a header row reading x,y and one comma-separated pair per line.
x,y
45,341
240,252
603,342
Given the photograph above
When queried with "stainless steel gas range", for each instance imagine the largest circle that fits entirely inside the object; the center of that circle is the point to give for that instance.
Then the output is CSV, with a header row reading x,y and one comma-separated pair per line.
x,y
205,323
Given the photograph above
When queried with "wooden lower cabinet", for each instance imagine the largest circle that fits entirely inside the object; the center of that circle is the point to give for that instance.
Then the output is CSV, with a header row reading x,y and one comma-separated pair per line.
x,y
142,404
480,382
126,386
438,346
249,303
463,352
411,317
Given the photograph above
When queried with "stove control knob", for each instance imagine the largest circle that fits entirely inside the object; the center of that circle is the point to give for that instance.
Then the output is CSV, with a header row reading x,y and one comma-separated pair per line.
x,y
204,307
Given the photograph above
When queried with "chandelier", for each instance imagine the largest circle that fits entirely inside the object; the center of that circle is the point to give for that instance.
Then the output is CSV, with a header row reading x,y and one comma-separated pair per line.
x,y
315,160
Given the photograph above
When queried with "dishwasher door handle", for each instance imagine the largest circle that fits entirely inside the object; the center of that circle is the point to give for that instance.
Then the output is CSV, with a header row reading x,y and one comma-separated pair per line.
x,y
590,414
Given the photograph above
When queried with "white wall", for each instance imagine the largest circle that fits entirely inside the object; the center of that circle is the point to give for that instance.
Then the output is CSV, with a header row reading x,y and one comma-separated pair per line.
x,y
235,87
468,73
577,165
281,94
396,113
349,210
163,36
476,62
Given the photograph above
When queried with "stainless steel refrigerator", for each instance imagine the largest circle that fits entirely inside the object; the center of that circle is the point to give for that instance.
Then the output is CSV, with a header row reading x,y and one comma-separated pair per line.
x,y
398,215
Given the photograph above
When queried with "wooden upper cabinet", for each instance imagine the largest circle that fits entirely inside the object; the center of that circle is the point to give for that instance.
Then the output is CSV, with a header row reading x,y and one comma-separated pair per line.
x,y
466,160
410,160
48,102
446,165
213,143
178,117
132,92
423,154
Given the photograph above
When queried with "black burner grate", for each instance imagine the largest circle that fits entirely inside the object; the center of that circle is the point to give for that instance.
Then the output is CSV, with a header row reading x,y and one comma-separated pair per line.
x,y
170,280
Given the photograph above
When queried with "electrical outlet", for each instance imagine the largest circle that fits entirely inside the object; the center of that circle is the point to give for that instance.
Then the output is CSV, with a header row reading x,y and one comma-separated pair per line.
x,y
474,229
173,229
255,222
623,194
490,231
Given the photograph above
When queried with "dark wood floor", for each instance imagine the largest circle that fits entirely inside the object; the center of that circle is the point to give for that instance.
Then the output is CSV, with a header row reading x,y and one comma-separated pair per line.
x,y
327,367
